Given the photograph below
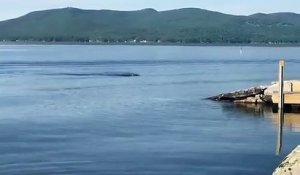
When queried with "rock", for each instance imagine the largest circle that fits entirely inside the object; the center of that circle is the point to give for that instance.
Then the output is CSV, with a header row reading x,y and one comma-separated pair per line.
x,y
261,94
255,99
252,95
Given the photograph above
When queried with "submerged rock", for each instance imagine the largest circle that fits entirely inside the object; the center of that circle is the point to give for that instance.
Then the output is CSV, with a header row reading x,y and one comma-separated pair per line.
x,y
113,74
121,74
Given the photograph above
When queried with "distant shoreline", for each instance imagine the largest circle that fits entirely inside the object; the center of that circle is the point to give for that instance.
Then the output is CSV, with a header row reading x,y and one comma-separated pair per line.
x,y
178,27
150,44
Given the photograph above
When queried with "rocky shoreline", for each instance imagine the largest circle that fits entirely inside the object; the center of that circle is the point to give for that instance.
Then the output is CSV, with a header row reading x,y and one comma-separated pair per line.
x,y
260,94
251,95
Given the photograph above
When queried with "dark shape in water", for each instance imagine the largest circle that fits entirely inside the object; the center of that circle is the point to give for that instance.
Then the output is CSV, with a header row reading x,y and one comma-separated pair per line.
x,y
117,74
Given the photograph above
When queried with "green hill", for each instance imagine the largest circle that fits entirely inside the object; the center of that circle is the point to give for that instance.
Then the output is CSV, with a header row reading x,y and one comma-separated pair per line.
x,y
188,25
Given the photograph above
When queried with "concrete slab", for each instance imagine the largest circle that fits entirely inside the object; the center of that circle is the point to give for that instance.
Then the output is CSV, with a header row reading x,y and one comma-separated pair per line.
x,y
290,165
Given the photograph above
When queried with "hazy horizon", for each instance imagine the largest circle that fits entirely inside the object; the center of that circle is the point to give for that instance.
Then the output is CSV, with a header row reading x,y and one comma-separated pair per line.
x,y
15,8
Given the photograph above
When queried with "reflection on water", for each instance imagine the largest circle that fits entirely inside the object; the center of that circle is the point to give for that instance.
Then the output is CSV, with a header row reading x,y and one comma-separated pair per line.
x,y
253,110
280,120
291,120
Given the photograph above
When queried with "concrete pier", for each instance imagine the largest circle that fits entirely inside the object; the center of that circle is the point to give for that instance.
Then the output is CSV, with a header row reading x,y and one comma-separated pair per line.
x,y
290,165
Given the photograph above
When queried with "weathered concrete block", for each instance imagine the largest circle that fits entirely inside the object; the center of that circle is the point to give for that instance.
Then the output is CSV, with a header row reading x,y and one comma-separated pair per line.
x,y
289,86
290,165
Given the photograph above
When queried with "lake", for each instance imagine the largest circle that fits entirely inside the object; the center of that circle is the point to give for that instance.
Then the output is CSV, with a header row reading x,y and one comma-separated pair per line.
x,y
67,110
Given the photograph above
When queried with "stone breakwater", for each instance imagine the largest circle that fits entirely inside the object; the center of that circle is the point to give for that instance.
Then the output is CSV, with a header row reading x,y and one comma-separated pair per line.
x,y
260,94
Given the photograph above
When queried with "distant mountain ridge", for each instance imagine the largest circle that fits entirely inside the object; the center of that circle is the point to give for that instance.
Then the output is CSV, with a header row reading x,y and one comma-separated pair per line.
x,y
188,25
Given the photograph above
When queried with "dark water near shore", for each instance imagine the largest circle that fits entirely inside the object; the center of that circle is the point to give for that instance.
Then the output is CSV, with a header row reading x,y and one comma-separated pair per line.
x,y
60,113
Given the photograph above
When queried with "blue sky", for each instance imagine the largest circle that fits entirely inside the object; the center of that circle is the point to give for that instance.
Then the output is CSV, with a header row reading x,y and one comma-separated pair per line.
x,y
14,8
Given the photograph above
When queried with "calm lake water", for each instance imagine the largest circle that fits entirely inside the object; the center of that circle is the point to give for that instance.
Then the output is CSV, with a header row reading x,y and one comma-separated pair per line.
x,y
62,110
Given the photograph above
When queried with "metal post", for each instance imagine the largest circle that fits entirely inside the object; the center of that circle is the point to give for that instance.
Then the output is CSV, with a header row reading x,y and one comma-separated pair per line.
x,y
280,107
281,84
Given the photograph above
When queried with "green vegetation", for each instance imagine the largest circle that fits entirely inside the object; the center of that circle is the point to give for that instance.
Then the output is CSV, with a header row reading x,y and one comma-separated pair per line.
x,y
150,26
